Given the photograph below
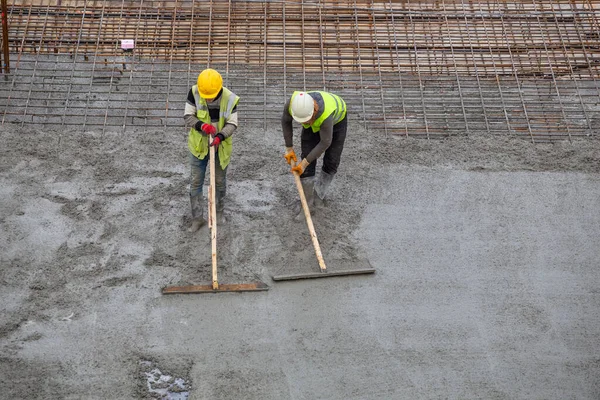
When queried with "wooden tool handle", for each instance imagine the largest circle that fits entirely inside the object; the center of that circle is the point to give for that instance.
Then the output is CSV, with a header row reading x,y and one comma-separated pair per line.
x,y
309,222
212,216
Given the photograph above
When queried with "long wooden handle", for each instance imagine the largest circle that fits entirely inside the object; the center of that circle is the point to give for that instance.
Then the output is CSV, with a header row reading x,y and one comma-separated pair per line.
x,y
212,216
309,222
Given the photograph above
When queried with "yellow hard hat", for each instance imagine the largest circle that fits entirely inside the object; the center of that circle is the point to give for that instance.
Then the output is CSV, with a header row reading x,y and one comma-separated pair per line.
x,y
210,83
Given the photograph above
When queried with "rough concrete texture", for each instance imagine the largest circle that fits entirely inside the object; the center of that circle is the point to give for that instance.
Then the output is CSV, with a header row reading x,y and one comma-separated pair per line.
x,y
486,250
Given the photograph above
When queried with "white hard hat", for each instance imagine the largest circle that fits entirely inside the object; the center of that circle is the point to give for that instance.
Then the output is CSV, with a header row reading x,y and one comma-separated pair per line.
x,y
302,107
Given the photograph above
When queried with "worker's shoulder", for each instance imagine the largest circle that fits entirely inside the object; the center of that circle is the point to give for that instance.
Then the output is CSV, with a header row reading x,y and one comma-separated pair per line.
x,y
229,90
316,95
330,94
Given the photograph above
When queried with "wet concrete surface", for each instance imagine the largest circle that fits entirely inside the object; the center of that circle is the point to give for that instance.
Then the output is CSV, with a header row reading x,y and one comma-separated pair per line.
x,y
486,287
487,282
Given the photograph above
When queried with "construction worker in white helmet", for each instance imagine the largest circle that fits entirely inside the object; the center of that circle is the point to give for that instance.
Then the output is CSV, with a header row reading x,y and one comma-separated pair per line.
x,y
211,114
324,125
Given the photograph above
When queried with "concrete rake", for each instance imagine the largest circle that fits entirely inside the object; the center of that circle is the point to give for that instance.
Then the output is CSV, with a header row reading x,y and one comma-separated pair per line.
x,y
215,287
324,273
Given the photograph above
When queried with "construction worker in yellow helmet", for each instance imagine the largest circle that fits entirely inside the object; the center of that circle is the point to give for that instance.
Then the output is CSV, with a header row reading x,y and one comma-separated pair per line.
x,y
211,114
324,125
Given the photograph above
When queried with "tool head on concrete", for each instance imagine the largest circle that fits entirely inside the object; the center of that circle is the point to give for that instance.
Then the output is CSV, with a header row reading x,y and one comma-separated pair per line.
x,y
239,287
327,274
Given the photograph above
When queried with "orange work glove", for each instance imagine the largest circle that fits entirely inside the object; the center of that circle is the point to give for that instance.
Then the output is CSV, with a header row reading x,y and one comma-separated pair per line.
x,y
290,155
300,167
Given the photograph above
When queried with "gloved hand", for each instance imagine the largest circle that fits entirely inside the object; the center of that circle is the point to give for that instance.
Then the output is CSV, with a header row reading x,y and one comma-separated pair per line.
x,y
207,129
300,167
217,139
290,155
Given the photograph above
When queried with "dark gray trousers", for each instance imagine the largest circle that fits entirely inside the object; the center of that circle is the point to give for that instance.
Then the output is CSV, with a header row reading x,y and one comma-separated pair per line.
x,y
333,154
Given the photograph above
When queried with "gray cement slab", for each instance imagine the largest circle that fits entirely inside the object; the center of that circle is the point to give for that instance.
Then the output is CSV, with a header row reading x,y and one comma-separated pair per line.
x,y
487,282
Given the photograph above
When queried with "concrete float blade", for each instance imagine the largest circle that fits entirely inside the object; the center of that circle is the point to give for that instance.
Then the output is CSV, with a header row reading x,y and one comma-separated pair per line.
x,y
328,274
238,287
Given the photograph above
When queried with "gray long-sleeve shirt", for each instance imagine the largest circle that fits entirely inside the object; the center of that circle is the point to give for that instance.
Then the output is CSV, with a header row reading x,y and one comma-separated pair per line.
x,y
325,133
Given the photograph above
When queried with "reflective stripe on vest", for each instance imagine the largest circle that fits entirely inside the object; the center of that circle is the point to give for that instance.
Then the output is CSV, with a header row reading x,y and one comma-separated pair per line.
x,y
224,114
332,104
198,142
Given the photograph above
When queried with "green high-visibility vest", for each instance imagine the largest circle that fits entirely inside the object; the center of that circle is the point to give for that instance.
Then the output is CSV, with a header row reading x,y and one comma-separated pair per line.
x,y
198,142
332,104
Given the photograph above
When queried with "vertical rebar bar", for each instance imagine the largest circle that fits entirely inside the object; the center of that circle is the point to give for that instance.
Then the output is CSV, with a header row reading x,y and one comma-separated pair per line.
x,y
404,118
110,86
14,79
89,93
73,68
265,5
153,62
228,49
37,56
416,50
319,7
303,49
208,43
516,75
551,66
496,72
170,74
374,31
191,46
284,54
359,66
6,60
51,89
577,89
133,66
579,23
460,96
247,52
467,26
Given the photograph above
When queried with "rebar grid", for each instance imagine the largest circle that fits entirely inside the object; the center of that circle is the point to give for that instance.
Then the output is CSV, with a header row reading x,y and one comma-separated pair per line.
x,y
410,67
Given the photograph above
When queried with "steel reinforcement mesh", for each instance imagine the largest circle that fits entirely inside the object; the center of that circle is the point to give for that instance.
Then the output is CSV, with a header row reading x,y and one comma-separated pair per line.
x,y
405,67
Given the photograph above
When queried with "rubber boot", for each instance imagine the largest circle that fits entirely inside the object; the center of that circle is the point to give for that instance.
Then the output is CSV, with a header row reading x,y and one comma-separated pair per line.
x,y
322,188
308,186
197,204
220,201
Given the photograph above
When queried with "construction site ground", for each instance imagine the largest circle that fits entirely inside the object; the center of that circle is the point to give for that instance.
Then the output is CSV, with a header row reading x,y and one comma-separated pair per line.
x,y
470,181
486,250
